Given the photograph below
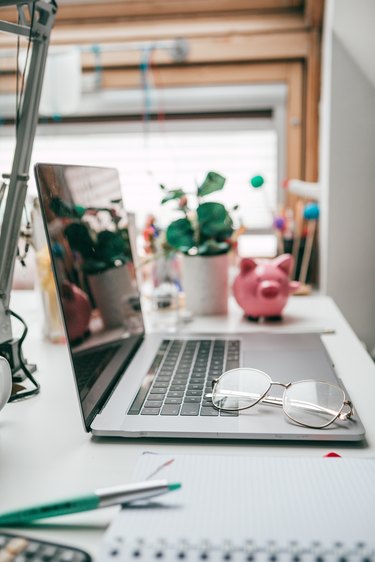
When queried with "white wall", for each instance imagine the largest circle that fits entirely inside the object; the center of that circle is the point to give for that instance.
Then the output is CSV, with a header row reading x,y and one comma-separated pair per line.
x,y
353,24
348,179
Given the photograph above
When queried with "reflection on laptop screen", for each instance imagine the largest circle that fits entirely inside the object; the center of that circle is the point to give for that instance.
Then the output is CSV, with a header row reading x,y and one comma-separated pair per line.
x,y
88,236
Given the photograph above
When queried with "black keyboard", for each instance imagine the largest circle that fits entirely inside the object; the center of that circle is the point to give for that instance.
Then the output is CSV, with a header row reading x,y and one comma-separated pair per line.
x,y
18,548
181,375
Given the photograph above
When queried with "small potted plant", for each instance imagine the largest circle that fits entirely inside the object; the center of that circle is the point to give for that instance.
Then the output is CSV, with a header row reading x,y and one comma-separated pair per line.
x,y
204,236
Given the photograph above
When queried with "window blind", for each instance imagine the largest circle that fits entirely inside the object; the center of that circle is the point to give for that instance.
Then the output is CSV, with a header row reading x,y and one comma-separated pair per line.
x,y
175,159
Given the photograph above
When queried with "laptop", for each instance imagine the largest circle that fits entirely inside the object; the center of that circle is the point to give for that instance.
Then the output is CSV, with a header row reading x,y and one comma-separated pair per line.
x,y
135,384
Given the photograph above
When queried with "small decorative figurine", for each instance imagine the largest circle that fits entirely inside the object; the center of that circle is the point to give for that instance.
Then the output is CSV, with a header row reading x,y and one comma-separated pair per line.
x,y
262,287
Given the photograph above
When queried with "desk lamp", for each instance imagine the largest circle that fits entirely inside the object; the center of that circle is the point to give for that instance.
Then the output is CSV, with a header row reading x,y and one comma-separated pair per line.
x,y
35,21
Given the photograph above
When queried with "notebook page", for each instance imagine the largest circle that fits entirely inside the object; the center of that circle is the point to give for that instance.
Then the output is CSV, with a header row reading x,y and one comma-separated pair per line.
x,y
237,500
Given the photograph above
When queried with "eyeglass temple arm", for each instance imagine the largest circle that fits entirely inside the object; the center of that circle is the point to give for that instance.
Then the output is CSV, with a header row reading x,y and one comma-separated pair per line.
x,y
276,401
273,400
350,413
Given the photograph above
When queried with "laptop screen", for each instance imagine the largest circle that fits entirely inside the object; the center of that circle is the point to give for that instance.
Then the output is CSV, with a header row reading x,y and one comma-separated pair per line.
x,y
88,236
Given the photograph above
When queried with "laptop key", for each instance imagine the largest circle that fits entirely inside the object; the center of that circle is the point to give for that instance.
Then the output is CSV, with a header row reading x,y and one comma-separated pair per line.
x,y
190,410
199,371
179,379
155,396
163,377
193,392
167,371
170,410
173,401
160,386
208,411
153,404
177,387
195,386
192,399
150,412
175,394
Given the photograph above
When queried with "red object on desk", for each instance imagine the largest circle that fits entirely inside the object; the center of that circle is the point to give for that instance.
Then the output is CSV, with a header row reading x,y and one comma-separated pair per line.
x,y
332,454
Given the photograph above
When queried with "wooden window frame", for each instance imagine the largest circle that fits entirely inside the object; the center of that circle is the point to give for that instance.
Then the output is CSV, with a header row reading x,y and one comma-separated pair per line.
x,y
229,41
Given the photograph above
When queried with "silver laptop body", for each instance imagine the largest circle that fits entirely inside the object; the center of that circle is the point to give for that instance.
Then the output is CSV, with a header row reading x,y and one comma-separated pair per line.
x,y
115,363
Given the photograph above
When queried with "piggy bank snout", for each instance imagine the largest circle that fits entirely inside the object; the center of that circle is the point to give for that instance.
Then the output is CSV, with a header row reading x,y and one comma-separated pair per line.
x,y
269,289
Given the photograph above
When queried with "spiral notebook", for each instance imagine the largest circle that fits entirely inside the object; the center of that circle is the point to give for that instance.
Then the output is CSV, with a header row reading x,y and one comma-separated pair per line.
x,y
250,508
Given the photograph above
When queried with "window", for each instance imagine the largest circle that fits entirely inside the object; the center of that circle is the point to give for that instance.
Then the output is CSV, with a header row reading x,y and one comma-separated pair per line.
x,y
234,130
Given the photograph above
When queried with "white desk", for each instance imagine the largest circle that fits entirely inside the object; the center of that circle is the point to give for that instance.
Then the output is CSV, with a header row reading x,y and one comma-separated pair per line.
x,y
45,453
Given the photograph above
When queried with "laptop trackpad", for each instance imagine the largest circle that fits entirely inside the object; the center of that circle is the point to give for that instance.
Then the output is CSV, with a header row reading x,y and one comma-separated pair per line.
x,y
291,365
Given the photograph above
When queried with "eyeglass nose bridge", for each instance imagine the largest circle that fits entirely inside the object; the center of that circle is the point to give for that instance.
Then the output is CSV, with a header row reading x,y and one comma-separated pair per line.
x,y
283,384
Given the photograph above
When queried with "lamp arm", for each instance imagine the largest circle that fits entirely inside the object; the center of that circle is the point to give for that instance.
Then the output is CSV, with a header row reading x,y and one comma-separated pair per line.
x,y
40,30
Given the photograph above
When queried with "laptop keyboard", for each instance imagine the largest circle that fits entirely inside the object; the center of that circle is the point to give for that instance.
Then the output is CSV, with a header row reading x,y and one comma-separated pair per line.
x,y
181,375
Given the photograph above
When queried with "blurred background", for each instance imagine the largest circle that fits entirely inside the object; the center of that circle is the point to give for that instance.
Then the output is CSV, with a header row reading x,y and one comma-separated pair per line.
x,y
166,90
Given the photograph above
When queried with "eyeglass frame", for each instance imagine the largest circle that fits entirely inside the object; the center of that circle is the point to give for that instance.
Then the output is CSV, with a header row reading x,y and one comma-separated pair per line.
x,y
275,401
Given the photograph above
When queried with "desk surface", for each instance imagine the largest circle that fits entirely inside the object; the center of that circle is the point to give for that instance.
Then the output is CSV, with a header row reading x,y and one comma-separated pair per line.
x,y
45,453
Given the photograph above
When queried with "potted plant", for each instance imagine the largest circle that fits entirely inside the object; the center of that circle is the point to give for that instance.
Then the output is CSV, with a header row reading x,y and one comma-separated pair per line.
x,y
101,250
204,236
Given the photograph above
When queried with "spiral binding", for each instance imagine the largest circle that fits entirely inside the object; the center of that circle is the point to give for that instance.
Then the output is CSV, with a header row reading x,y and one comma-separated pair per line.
x,y
225,551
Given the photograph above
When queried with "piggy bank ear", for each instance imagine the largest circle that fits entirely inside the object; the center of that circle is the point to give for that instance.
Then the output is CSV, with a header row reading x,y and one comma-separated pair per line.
x,y
293,286
284,262
247,265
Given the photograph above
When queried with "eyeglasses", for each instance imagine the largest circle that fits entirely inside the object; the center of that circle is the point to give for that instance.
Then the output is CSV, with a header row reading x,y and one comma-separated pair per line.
x,y
310,403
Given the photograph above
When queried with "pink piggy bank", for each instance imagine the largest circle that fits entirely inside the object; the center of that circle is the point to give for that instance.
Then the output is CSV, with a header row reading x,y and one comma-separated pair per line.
x,y
262,287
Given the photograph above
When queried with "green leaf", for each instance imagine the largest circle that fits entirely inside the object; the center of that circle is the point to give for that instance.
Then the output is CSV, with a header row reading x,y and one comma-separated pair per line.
x,y
173,194
208,212
213,182
180,235
214,221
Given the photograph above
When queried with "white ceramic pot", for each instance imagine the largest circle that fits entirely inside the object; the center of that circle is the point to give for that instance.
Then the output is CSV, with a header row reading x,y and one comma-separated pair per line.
x,y
110,290
205,283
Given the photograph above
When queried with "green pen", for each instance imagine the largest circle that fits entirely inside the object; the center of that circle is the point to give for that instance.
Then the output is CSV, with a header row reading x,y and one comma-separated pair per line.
x,y
103,497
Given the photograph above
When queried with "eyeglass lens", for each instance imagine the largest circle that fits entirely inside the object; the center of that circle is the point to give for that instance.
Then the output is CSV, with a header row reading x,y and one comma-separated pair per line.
x,y
240,388
311,403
